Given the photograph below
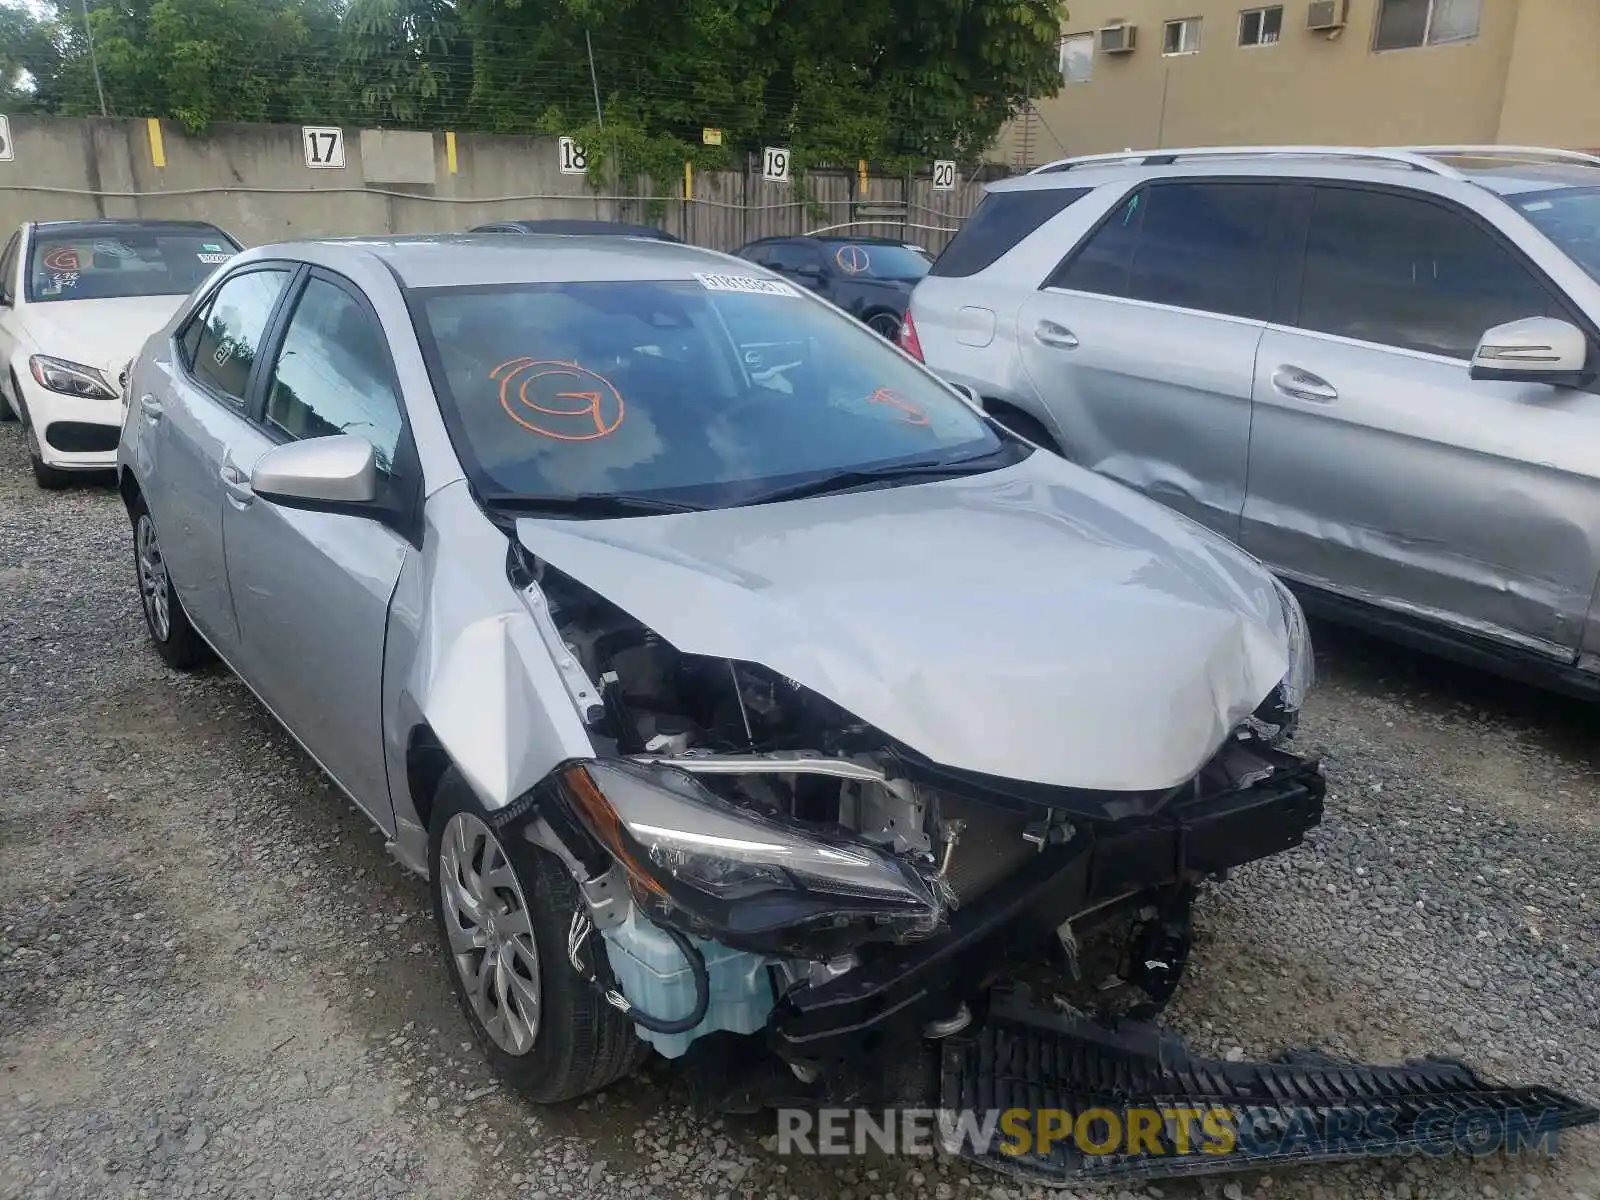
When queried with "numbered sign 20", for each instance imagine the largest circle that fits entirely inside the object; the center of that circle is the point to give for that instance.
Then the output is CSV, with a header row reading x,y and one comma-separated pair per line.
x,y
573,159
775,164
944,175
324,145
7,153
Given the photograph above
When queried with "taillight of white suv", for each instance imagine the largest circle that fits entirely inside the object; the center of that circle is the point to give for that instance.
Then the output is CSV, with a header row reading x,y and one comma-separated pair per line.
x,y
908,338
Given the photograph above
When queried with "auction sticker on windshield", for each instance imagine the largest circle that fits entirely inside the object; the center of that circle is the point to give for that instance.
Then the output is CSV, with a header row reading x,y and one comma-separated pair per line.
x,y
744,283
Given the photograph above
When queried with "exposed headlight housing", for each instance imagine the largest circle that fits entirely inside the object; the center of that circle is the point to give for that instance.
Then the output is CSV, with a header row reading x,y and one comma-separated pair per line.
x,y
751,879
70,378
1302,671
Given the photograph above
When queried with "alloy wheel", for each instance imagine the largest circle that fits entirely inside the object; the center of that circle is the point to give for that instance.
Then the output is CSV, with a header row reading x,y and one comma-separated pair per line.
x,y
491,934
153,582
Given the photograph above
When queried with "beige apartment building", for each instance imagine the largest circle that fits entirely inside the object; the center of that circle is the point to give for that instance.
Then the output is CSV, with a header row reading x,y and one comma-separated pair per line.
x,y
1162,73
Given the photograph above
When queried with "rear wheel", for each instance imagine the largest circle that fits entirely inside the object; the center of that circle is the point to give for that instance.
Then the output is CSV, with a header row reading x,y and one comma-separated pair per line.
x,y
1023,425
886,324
503,909
174,639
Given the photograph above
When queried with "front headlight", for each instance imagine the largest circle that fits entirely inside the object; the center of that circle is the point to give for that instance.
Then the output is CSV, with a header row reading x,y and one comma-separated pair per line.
x,y
736,870
1302,664
70,378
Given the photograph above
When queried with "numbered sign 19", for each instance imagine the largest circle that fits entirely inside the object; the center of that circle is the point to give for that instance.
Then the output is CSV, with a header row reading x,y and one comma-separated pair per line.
x,y
324,145
944,175
775,164
7,153
573,159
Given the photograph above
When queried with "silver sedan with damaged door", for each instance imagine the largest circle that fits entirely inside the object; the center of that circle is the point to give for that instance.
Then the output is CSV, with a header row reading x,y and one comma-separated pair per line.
x,y
742,690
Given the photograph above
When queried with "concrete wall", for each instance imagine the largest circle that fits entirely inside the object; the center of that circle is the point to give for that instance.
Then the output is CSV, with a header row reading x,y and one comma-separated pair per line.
x,y
253,180
1316,87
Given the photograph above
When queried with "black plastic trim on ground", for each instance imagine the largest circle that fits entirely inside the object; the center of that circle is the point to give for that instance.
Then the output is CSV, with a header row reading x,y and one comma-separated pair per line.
x,y
1306,1108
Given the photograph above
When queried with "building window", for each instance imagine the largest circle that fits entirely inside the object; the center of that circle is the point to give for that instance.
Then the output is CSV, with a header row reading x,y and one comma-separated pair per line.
x,y
1403,24
1077,58
1260,26
1181,37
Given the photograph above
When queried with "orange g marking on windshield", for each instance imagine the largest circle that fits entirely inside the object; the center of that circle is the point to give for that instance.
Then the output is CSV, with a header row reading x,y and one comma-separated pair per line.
x,y
559,400
913,414
62,258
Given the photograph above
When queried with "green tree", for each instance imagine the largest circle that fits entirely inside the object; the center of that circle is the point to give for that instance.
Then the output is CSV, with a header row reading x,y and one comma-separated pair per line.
x,y
406,61
836,80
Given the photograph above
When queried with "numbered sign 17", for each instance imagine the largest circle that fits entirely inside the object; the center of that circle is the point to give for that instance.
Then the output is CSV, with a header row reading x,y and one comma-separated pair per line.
x,y
944,175
775,164
6,151
573,159
324,145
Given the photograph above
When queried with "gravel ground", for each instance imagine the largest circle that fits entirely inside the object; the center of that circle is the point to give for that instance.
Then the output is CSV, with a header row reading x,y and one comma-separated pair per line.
x,y
213,981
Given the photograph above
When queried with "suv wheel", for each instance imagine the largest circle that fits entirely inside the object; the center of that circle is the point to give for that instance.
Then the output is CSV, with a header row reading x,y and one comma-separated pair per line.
x,y
886,324
168,625
503,909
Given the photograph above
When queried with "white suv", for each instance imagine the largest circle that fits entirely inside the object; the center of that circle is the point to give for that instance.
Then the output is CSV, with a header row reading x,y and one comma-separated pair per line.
x,y
1373,368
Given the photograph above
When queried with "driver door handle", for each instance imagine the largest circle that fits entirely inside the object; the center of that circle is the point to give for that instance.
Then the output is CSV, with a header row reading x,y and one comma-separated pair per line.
x,y
150,407
1055,335
1303,385
237,485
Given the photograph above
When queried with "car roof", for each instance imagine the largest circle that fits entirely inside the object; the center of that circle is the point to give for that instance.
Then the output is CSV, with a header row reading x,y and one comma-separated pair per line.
x,y
439,260
1501,178
95,224
852,239
566,225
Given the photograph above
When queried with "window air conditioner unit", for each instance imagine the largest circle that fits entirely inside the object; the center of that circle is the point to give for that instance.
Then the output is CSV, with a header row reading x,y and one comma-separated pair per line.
x,y
1327,15
1116,39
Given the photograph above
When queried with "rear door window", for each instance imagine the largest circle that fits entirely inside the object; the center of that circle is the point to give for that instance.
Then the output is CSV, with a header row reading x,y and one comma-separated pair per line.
x,y
233,326
1408,272
1205,246
999,223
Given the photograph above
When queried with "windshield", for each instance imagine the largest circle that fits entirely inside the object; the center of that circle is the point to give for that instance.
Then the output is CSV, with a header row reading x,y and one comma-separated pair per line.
x,y
888,261
676,390
1569,217
87,264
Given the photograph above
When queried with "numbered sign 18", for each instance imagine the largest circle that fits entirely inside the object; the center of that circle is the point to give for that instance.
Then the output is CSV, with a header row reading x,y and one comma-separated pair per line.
x,y
775,164
324,145
573,159
7,153
944,175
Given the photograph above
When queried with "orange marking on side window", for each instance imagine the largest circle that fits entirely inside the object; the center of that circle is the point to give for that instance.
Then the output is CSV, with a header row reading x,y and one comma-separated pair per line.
x,y
529,396
913,414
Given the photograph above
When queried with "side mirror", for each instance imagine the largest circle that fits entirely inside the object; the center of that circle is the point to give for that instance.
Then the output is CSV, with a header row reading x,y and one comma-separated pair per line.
x,y
812,277
1534,350
326,474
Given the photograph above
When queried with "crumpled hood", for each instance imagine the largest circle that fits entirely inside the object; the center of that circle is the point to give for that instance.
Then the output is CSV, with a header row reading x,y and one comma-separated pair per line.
x,y
99,333
1038,623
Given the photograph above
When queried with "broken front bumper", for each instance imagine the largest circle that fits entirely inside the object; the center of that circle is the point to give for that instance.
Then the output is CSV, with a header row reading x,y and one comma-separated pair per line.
x,y
1258,801
1048,1098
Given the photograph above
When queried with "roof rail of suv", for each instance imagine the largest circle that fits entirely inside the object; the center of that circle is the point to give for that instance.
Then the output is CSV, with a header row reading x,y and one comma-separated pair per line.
x,y
1520,154
1412,158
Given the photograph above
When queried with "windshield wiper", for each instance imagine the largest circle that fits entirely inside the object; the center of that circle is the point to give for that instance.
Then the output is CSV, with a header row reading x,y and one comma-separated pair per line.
x,y
922,470
587,504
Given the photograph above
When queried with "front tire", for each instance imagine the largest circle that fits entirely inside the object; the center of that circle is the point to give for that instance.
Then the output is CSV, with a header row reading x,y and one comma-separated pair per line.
x,y
503,908
174,639
885,325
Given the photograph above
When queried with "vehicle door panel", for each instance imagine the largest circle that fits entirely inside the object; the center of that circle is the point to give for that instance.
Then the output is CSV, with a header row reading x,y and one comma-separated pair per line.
x,y
1381,470
188,430
10,313
312,589
1142,344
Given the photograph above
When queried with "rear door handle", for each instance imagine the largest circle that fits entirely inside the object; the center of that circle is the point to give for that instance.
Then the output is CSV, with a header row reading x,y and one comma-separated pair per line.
x,y
1055,335
237,485
150,407
1303,385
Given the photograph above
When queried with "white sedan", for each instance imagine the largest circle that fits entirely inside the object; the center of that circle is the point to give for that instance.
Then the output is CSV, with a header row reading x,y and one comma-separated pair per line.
x,y
77,301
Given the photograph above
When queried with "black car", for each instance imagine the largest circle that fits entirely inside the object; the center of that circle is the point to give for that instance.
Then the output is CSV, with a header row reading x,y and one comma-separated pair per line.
x,y
870,278
557,225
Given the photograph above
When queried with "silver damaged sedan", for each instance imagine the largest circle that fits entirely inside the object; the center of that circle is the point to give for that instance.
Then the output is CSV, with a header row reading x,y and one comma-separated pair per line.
x,y
743,692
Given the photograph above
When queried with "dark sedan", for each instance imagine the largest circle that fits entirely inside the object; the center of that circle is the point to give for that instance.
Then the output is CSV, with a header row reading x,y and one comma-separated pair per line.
x,y
870,278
